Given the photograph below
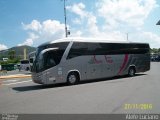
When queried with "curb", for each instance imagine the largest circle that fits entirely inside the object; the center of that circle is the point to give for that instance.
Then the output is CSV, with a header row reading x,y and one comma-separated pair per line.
x,y
15,76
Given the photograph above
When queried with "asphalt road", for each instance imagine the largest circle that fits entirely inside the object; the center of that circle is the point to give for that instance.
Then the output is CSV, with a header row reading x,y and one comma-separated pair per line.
x,y
105,96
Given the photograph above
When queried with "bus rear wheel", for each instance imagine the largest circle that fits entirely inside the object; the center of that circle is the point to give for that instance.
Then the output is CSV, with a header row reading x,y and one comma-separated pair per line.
x,y
131,71
72,78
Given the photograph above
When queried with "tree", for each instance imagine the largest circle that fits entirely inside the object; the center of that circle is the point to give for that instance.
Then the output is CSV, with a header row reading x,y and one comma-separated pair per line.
x,y
11,54
159,50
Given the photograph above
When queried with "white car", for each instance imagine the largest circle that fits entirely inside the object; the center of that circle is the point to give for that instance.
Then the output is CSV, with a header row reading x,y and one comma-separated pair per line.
x,y
24,65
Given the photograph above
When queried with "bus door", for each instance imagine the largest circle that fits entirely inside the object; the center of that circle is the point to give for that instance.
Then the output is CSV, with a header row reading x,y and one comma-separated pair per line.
x,y
50,66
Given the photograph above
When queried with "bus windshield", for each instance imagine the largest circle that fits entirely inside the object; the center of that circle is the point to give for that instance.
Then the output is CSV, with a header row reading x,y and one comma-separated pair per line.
x,y
47,60
31,56
61,46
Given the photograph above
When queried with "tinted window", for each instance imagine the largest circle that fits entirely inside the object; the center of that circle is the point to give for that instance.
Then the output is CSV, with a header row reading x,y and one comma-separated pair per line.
x,y
93,49
52,58
77,49
61,46
39,65
25,62
49,60
31,60
84,48
123,48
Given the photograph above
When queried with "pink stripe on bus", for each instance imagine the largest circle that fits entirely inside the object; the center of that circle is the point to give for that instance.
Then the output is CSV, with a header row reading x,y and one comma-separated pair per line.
x,y
124,63
96,61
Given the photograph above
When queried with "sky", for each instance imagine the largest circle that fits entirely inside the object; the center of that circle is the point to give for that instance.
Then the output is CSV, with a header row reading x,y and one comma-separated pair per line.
x,y
33,22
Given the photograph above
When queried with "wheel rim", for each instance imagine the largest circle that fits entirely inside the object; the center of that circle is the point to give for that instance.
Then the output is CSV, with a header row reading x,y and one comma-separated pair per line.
x,y
72,79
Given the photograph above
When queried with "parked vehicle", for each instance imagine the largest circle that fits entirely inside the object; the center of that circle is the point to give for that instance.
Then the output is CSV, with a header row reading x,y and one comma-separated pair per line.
x,y
155,58
31,59
8,67
24,65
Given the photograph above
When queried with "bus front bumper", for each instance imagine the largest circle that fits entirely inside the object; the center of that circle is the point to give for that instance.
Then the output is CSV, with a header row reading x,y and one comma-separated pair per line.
x,y
37,78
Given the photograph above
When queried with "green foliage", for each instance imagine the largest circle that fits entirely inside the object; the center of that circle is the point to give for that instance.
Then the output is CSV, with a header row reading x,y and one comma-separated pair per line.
x,y
11,54
16,52
10,61
155,50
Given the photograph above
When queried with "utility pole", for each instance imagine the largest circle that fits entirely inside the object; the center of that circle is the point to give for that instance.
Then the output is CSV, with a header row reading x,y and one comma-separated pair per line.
x,y
65,19
25,53
127,36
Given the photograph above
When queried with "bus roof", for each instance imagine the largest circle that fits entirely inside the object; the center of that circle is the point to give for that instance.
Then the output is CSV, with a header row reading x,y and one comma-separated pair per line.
x,y
81,39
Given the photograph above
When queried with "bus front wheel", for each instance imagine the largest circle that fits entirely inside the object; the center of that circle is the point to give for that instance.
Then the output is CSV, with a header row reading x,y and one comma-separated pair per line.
x,y
131,71
72,78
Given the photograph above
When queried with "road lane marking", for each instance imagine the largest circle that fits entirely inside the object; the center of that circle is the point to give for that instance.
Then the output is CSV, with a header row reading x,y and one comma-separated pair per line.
x,y
15,76
10,81
17,82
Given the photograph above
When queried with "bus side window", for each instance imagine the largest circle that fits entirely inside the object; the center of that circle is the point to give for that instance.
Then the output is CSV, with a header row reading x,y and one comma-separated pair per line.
x,y
77,49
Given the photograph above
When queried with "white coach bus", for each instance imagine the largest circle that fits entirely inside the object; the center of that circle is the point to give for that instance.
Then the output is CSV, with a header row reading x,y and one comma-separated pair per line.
x,y
76,59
